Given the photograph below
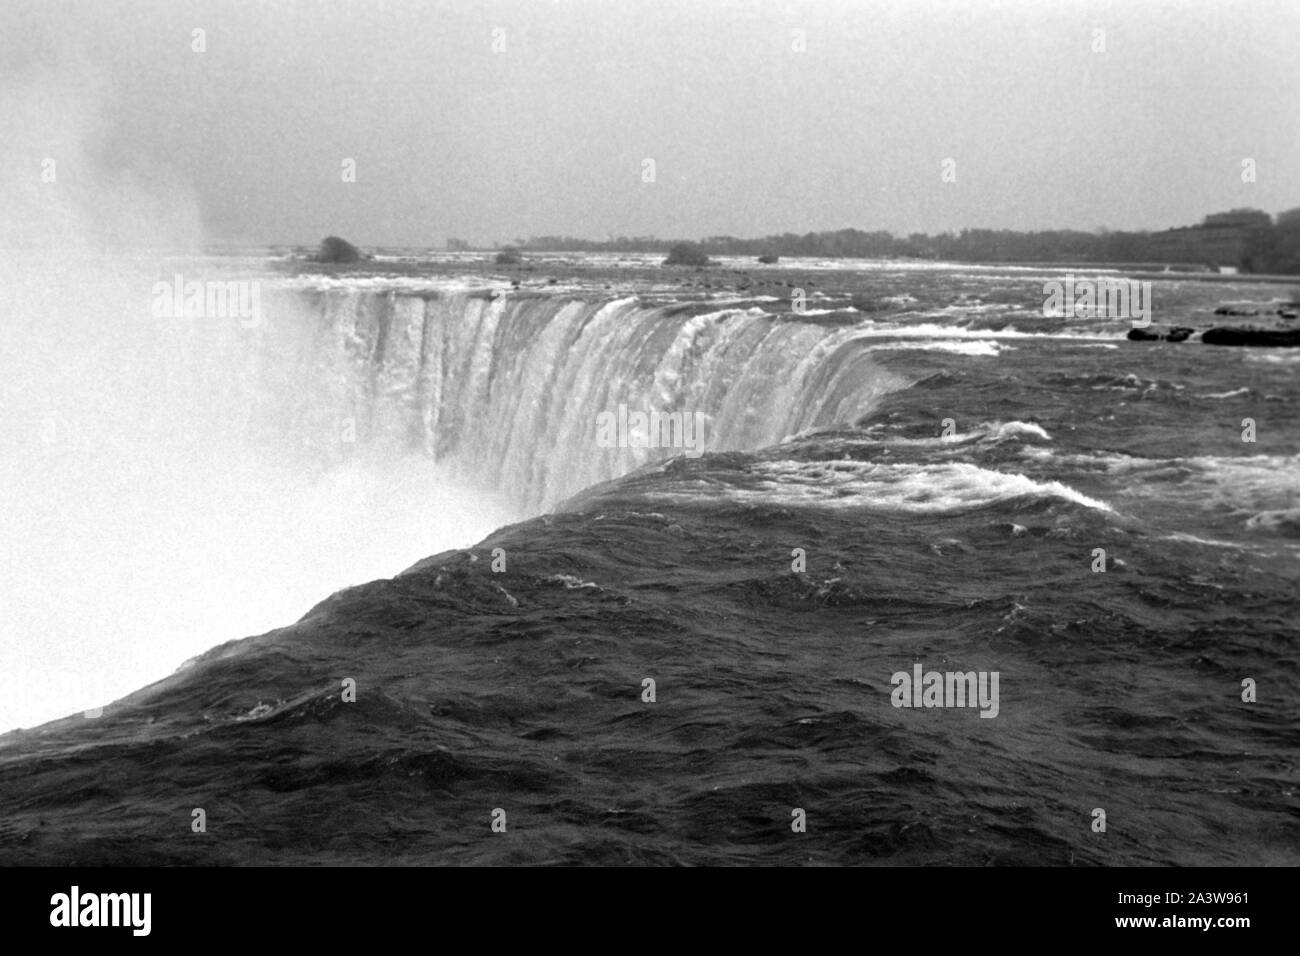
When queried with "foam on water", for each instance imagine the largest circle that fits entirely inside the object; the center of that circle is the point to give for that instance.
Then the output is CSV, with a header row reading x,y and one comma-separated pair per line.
x,y
979,348
907,488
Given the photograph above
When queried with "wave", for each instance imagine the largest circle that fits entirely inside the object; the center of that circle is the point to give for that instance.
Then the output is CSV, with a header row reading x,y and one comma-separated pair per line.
x,y
1262,489
1234,393
908,488
979,348
936,330
989,432
1283,522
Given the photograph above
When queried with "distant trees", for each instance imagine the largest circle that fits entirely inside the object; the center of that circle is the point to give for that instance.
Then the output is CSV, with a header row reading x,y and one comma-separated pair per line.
x,y
509,256
1247,239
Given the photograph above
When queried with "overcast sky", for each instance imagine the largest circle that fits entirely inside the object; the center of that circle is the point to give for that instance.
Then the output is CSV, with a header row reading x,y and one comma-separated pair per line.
x,y
748,134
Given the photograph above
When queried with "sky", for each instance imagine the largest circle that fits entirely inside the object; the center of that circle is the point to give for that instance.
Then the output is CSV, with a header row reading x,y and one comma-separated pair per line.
x,y
497,120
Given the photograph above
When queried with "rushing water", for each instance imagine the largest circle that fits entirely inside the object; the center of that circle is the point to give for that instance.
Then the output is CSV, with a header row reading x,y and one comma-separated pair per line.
x,y
934,483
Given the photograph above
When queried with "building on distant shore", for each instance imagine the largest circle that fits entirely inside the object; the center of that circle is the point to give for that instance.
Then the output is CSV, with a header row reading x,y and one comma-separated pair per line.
x,y
1238,219
1236,238
1289,219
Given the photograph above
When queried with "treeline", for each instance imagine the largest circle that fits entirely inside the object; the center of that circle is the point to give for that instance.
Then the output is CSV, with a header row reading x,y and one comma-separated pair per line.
x,y
1262,246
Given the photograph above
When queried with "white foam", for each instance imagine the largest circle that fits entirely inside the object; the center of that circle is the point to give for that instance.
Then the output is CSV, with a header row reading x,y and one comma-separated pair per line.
x,y
977,348
1000,431
1208,542
1233,394
1287,519
570,582
874,328
892,487
992,431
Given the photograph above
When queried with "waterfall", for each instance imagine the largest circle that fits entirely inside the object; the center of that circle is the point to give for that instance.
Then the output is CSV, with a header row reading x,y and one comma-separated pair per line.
x,y
173,482
507,388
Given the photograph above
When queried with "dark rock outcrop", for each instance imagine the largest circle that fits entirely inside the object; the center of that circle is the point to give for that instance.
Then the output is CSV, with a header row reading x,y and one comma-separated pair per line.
x,y
686,254
1178,333
334,249
1285,311
1276,338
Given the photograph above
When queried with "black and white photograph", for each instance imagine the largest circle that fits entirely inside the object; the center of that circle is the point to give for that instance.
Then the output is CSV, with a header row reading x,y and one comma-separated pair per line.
x,y
618,434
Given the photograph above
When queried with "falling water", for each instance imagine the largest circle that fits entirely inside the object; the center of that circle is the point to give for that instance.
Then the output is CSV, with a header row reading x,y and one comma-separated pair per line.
x,y
508,389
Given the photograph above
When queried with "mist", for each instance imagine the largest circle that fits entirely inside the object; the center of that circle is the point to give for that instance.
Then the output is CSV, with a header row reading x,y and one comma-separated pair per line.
x,y
157,499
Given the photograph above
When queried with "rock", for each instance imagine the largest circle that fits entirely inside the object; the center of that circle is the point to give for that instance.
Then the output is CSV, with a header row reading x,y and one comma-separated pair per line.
x,y
686,254
1277,338
1178,333
334,249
